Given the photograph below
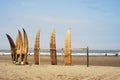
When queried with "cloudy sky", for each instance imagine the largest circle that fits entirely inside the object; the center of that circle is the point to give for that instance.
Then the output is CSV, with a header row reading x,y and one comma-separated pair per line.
x,y
93,23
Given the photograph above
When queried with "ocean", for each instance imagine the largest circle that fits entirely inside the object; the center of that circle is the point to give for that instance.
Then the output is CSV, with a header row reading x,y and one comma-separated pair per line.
x,y
74,52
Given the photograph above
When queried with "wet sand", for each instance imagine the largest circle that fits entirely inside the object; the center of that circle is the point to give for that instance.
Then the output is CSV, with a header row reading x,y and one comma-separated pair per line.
x,y
113,61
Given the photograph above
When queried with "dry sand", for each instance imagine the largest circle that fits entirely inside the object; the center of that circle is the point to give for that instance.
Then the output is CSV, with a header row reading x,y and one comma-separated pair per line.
x,y
101,68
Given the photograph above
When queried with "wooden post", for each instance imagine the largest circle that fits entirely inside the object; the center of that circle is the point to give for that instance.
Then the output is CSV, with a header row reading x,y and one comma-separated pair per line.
x,y
62,51
39,56
87,57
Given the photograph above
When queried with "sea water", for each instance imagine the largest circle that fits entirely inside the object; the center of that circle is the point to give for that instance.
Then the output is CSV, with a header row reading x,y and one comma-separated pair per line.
x,y
74,52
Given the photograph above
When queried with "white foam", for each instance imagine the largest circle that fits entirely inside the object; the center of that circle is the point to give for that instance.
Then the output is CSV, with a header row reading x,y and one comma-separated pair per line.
x,y
3,53
82,54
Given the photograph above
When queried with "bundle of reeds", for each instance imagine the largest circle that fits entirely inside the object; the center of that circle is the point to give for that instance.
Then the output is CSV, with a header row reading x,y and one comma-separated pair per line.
x,y
53,49
67,49
36,48
20,50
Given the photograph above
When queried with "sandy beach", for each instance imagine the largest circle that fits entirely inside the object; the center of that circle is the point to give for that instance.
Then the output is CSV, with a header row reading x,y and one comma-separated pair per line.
x,y
101,68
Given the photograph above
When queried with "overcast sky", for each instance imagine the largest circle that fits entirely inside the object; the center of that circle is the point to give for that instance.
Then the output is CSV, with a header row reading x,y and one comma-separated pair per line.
x,y
93,23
